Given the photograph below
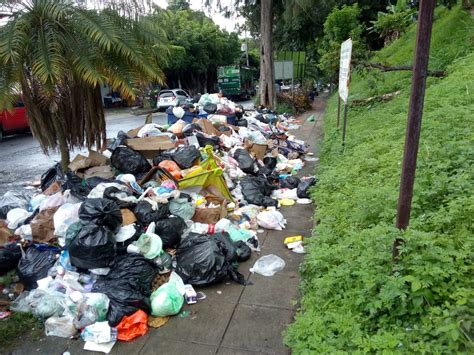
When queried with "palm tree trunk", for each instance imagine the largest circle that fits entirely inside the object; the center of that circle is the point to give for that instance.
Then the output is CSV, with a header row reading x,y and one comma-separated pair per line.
x,y
267,70
62,142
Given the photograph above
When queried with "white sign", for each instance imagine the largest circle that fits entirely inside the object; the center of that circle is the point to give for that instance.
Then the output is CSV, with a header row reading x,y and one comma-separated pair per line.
x,y
283,69
345,69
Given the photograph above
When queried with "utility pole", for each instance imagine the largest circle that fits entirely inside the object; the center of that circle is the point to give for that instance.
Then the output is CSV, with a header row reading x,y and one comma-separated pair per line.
x,y
415,113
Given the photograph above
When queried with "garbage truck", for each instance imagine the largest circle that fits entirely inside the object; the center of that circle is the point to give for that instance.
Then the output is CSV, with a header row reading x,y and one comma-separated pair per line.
x,y
236,81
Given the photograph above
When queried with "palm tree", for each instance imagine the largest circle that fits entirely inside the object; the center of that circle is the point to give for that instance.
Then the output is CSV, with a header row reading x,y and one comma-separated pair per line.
x,y
57,55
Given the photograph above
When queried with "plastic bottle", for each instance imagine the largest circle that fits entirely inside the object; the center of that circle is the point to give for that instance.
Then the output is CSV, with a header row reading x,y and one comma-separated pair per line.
x,y
203,228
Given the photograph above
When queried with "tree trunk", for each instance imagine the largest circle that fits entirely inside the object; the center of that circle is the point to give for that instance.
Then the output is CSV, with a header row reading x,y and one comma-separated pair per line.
x,y
62,142
267,70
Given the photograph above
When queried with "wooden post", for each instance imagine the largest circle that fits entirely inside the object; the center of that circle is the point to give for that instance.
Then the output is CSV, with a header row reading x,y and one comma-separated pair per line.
x,y
338,109
415,113
344,125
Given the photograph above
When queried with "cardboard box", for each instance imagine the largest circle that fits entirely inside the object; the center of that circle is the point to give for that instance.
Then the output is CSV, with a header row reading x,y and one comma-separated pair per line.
x,y
258,150
105,172
211,215
207,127
150,146
134,132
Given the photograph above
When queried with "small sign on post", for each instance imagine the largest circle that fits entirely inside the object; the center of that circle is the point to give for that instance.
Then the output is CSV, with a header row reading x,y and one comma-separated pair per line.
x,y
344,77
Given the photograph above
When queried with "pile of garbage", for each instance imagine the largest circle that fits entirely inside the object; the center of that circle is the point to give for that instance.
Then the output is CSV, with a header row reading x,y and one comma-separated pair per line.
x,y
115,244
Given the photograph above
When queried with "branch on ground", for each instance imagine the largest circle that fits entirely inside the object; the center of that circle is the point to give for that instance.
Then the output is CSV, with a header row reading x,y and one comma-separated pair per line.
x,y
384,97
387,68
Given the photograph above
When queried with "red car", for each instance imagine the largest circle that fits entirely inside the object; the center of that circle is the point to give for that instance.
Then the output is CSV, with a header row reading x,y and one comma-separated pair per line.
x,y
15,121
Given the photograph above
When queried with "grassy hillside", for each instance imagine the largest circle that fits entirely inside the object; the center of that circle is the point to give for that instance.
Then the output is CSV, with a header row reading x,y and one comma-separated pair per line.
x,y
354,298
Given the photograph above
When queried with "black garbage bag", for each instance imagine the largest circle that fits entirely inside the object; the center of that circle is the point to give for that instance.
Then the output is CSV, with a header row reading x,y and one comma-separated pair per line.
x,y
75,184
93,247
257,191
128,161
123,199
291,182
11,200
162,157
204,140
190,129
241,122
35,264
10,255
210,108
146,214
209,140
228,249
170,230
242,250
246,163
270,162
186,156
102,212
51,175
303,187
128,286
120,140
201,259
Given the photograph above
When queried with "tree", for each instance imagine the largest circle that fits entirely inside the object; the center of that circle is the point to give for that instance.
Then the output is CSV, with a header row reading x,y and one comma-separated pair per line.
x,y
57,55
175,5
267,69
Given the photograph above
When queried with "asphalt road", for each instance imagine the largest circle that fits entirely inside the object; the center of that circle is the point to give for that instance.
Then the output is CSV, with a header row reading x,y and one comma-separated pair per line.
x,y
22,160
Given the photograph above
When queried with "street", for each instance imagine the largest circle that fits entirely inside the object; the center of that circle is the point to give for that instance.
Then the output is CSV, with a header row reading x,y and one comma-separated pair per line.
x,y
22,160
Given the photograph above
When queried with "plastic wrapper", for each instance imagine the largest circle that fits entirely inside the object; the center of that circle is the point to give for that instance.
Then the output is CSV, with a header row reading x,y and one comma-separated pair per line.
x,y
268,265
86,315
171,167
128,286
201,260
101,212
66,215
133,326
93,247
271,220
11,200
60,327
35,264
183,208
128,161
147,213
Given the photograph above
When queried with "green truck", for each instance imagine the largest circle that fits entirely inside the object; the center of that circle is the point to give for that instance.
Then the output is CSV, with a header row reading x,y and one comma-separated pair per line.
x,y
236,81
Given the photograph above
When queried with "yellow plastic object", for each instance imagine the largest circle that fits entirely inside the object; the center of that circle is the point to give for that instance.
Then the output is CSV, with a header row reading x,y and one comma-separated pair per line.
x,y
210,162
293,239
287,202
207,178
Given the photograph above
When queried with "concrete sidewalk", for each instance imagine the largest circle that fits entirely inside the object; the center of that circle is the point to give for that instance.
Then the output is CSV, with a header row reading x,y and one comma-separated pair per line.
x,y
233,319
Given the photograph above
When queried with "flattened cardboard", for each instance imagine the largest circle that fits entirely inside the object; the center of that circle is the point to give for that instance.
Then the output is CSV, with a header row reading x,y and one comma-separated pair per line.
x,y
207,127
150,146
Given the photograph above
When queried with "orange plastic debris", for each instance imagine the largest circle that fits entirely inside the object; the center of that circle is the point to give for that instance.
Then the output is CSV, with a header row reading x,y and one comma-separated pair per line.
x,y
133,326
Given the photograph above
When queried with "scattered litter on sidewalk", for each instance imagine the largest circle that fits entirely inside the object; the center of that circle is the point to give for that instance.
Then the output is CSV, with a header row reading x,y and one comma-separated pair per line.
x,y
119,242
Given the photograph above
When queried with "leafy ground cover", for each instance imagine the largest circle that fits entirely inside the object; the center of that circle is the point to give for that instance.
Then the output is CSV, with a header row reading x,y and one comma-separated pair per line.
x,y
354,298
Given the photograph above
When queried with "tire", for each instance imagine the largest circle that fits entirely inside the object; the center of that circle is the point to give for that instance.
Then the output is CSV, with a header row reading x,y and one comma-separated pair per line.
x,y
1,134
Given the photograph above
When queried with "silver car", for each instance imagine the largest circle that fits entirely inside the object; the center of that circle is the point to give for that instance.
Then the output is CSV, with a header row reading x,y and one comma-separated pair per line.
x,y
173,97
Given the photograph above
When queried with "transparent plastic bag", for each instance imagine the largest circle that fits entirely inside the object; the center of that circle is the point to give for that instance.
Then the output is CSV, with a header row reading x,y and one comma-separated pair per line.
x,y
168,299
271,220
268,265
60,327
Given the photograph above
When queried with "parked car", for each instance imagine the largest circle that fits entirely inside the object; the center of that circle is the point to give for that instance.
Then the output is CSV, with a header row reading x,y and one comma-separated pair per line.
x,y
174,97
15,121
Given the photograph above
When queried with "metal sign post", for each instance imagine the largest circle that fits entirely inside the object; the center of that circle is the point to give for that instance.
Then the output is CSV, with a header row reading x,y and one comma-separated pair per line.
x,y
415,113
338,110
344,76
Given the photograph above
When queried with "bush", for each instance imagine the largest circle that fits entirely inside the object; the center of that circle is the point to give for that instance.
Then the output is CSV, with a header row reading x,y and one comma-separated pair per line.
x,y
354,299
298,101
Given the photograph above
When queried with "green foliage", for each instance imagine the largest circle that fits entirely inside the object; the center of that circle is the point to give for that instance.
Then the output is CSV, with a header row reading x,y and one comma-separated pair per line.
x,y
340,25
16,326
199,47
391,24
354,299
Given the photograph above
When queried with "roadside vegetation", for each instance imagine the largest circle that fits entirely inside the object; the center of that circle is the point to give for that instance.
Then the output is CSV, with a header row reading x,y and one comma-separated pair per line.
x,y
354,298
